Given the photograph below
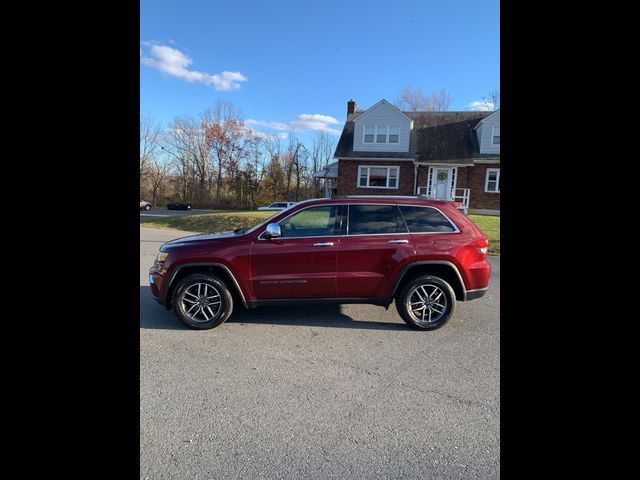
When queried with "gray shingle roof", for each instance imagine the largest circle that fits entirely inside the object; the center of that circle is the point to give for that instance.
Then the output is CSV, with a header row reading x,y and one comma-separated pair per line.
x,y
445,137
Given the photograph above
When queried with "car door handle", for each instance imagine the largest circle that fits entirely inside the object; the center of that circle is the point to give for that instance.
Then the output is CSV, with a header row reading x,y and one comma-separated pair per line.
x,y
398,241
323,244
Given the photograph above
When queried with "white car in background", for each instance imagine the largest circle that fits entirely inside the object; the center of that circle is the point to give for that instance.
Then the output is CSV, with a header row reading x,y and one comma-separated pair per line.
x,y
278,206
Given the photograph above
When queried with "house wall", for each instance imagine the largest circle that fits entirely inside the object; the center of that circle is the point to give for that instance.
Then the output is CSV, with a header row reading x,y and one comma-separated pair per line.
x,y
348,178
479,198
485,131
381,115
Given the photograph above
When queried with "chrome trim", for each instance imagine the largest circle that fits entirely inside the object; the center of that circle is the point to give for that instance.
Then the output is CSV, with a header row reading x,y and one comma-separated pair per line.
x,y
322,244
273,230
457,230
477,290
398,241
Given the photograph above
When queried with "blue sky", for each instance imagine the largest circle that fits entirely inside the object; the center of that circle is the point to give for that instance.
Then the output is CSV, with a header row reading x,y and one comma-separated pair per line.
x,y
297,63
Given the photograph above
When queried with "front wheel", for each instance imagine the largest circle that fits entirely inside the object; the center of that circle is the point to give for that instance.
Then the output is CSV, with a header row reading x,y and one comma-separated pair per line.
x,y
202,301
426,302
147,207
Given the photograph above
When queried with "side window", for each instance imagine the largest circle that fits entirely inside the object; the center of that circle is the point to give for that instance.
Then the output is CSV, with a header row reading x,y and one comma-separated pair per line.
x,y
371,219
425,219
311,222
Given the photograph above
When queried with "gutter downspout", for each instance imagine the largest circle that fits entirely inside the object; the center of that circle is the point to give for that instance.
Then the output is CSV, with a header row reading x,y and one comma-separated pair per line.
x,y
415,178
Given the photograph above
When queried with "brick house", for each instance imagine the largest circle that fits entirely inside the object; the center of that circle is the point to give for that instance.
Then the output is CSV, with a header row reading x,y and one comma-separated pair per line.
x,y
443,155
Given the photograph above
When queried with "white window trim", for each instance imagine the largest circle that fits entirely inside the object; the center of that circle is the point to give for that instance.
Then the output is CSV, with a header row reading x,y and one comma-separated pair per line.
x,y
486,180
493,129
453,183
388,167
389,134
375,134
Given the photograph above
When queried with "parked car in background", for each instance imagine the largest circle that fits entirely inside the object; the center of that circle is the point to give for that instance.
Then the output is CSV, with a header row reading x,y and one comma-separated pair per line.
x,y
277,206
425,255
179,206
144,205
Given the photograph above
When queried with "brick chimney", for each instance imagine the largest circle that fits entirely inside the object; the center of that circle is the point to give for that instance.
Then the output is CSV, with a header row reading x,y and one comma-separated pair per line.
x,y
351,107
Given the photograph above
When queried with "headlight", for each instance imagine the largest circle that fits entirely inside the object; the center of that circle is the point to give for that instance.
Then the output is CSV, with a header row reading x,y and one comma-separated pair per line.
x,y
162,256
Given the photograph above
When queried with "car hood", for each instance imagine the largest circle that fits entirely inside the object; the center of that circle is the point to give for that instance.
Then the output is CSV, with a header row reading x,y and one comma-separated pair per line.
x,y
198,238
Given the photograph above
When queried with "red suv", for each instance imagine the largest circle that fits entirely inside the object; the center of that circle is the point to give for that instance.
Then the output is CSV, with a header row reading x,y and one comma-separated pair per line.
x,y
424,254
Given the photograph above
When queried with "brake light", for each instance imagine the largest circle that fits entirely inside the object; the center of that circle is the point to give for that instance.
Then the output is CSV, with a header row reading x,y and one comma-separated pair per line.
x,y
482,244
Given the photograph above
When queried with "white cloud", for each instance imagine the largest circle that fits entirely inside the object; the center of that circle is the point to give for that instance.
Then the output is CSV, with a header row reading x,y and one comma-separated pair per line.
x,y
264,135
306,121
174,62
264,123
481,105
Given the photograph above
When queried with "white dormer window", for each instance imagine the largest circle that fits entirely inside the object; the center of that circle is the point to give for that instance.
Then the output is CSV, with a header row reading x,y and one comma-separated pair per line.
x,y
495,136
381,134
369,133
394,133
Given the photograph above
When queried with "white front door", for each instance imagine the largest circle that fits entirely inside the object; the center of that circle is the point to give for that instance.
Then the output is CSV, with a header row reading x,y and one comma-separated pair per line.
x,y
442,180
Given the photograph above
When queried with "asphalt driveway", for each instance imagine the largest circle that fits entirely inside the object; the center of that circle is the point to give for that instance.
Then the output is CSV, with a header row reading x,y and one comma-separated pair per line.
x,y
318,391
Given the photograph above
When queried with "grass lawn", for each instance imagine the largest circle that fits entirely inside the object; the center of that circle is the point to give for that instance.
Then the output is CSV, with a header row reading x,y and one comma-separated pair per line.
x,y
222,221
490,225
230,220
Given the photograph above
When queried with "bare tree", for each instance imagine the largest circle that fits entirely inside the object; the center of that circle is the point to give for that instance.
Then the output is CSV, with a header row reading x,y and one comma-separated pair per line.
x,y
189,139
158,171
410,99
322,148
493,98
415,100
225,134
149,142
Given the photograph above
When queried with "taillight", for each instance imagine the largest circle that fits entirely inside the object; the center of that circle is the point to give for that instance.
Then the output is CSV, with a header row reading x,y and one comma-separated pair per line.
x,y
482,244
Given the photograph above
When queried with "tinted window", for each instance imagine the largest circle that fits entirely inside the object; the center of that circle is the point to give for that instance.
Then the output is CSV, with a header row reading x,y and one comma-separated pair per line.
x,y
311,222
425,219
370,219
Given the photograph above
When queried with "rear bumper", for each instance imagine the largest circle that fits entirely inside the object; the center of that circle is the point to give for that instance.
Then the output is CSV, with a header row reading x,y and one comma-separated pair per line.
x,y
477,293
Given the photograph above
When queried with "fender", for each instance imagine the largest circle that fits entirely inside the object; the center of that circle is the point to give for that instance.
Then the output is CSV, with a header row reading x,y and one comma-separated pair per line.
x,y
207,264
430,262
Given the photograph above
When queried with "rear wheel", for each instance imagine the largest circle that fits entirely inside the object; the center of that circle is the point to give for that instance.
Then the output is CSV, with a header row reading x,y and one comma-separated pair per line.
x,y
147,207
202,301
426,302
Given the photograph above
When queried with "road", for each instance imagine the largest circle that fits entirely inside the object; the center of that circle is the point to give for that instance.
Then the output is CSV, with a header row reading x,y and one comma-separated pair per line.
x,y
163,212
326,392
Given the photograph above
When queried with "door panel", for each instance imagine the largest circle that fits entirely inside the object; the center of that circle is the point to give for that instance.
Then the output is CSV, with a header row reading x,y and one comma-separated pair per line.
x,y
294,268
301,263
376,248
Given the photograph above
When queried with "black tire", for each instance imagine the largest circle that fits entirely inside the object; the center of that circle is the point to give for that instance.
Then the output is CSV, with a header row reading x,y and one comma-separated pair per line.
x,y
440,306
147,207
183,297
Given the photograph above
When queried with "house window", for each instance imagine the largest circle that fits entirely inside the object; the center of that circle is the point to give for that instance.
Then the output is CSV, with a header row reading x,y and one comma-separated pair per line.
x,y
495,136
378,177
381,134
394,133
369,133
492,182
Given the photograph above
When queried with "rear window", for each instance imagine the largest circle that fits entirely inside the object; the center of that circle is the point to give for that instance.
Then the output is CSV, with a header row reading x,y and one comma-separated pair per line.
x,y
425,220
371,219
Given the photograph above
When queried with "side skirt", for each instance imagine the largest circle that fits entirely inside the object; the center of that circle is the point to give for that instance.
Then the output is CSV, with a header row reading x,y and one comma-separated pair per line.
x,y
382,302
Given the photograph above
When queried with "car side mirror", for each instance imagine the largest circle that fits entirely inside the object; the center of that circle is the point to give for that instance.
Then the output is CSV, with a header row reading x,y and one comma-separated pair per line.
x,y
273,231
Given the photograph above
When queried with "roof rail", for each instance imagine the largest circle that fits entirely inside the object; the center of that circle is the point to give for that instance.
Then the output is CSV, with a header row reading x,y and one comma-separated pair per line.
x,y
379,196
